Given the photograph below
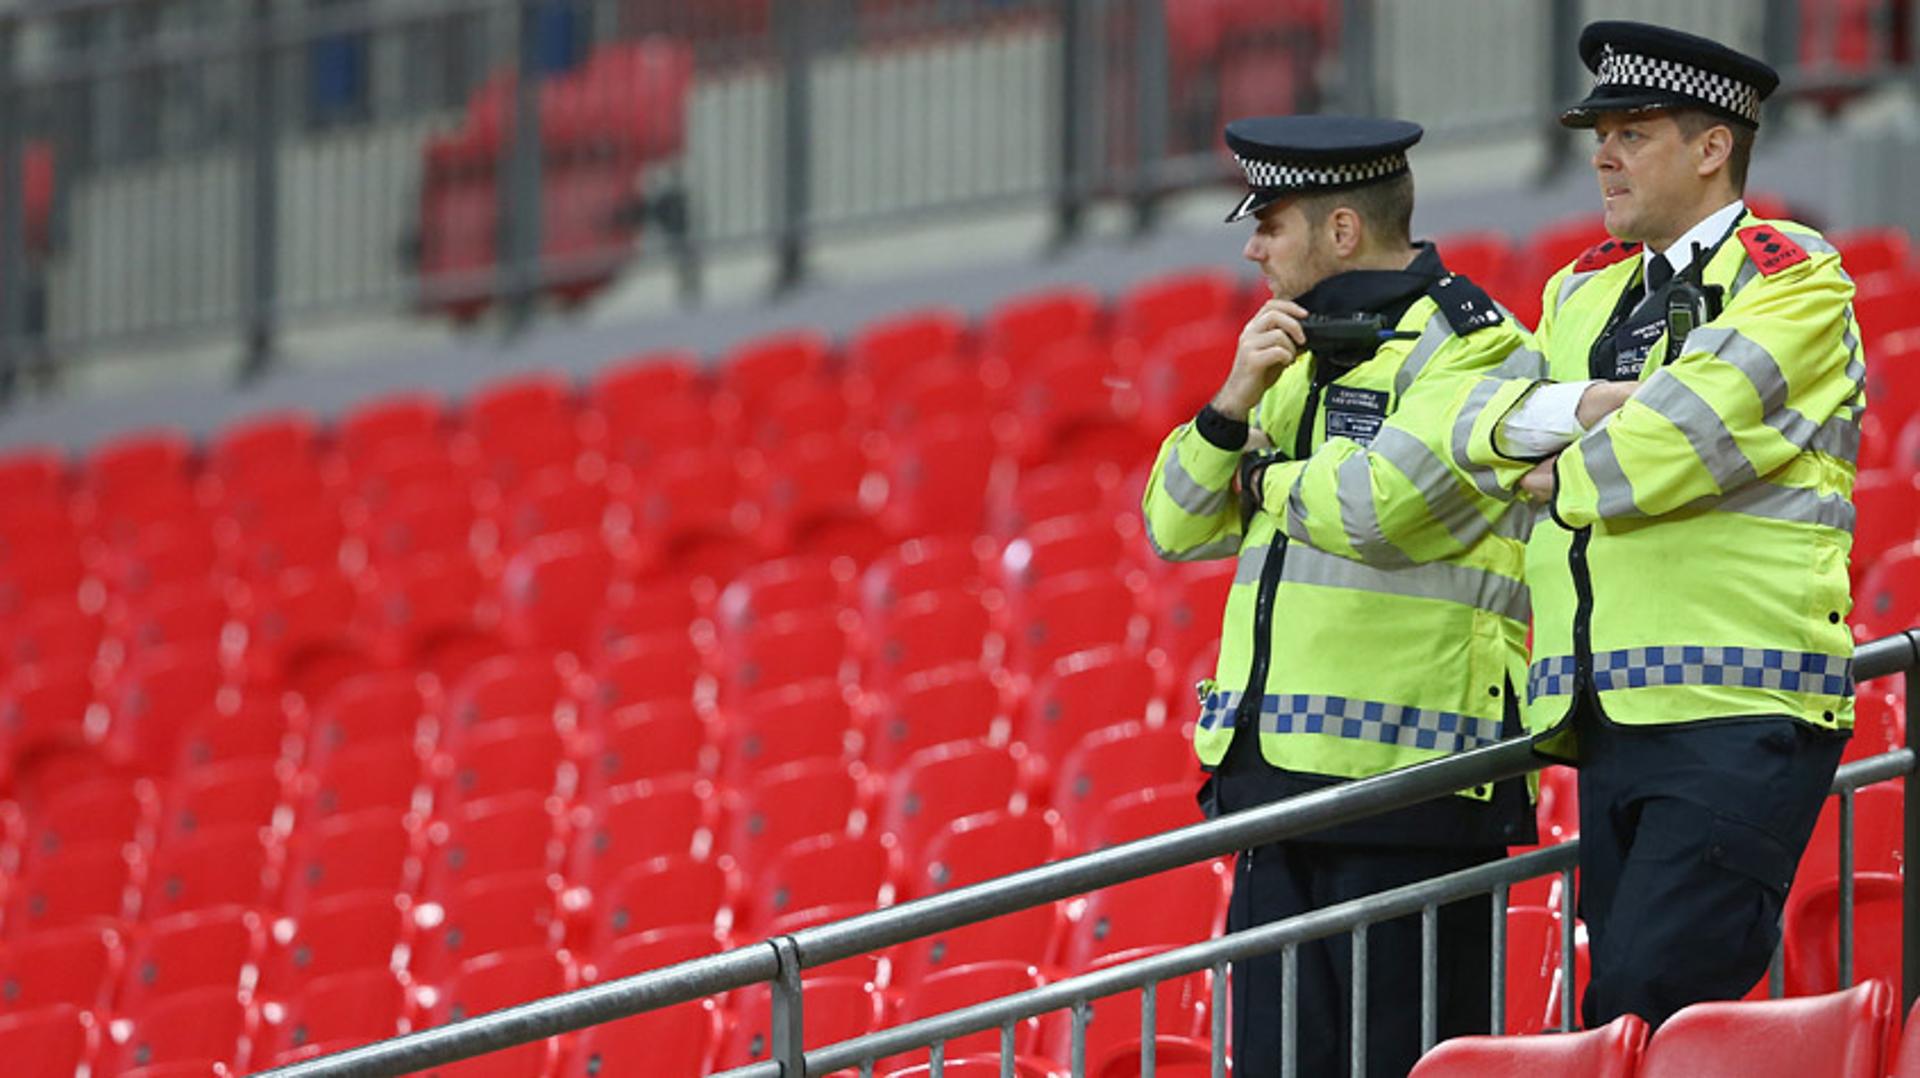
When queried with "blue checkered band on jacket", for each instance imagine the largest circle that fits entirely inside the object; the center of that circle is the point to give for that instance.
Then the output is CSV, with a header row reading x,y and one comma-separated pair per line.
x,y
1361,720
1267,174
1654,73
1747,668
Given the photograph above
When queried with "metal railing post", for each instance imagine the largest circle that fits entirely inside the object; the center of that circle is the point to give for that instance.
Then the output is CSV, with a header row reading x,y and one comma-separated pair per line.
x,y
520,198
259,227
1357,1047
1565,77
1780,46
1069,187
1910,889
792,195
1569,955
13,230
1846,889
1360,89
1497,980
1151,101
789,1046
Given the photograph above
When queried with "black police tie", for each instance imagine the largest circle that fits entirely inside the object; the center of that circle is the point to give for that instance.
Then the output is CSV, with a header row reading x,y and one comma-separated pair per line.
x,y
1659,272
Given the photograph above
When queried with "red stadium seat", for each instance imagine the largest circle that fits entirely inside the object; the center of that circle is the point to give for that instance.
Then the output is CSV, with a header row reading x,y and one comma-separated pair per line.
x,y
833,1009
1113,1022
138,461
1533,956
258,732
263,444
1868,252
550,589
1843,1035
173,561
55,633
1811,930
808,411
372,708
490,982
662,608
364,430
807,720
302,635
944,783
825,870
932,631
634,388
786,804
960,393
1063,545
347,932
886,352
1014,936
218,947
634,823
1612,1051
433,520
953,703
1888,598
372,850
354,1007
105,811
435,612
674,897
1887,517
78,884
1115,761
676,1040
822,499
1906,1063
1077,612
924,564
1554,246
962,986
1878,826
1020,329
1140,814
1085,691
373,775
666,669
1155,309
204,1025
980,847
221,866
503,913
505,757
240,794
1078,402
982,1066
791,585
788,650
520,686
78,966
513,832
1179,907
553,502
754,372
941,478
56,1040
1183,371
33,472
647,741
1189,601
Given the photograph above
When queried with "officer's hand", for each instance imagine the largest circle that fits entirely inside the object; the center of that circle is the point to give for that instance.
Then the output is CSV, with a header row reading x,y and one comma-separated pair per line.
x,y
1538,483
1268,345
1602,399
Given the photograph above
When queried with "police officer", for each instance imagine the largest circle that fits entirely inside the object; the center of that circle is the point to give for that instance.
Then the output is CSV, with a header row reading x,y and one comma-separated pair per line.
x,y
1690,593
1377,611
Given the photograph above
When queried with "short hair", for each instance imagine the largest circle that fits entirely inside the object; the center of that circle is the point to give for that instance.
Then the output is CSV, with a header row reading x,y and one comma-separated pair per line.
x,y
1385,207
1696,122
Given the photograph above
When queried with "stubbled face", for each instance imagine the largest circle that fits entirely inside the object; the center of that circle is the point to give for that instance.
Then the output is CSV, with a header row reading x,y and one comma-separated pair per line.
x,y
1649,173
1291,254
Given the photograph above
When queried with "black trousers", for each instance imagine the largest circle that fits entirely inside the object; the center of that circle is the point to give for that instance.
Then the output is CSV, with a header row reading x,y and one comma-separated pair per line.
x,y
1278,881
1689,836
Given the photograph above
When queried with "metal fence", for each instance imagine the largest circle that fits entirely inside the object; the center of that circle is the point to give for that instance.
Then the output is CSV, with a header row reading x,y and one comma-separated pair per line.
x,y
216,169
780,962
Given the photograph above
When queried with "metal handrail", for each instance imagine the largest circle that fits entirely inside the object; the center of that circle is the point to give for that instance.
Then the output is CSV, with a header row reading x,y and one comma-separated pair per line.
x,y
780,960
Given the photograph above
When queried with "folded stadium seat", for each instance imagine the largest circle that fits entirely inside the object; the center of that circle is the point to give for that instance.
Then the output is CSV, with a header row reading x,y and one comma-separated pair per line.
x,y
375,850
236,865
1887,516
1174,1057
1080,401
980,847
504,834
354,1007
1113,1023
833,1009
136,461
505,756
932,631
195,615
490,982
404,471
513,454
1883,310
644,741
824,497
808,411
657,913
659,607
755,372
820,871
206,1024
550,588
942,476
1138,815
1181,373
33,471
1152,311
158,692
107,810
683,425
789,649
946,782
1612,1051
429,520
1893,382
177,558
217,947
1844,1034
1906,1061
974,395
963,986
1116,760
1077,612
1811,929
1188,600
673,1040
56,1040
263,444
340,934
1904,454
786,804
435,613
78,966
1869,252
690,495
665,669
1019,329
1178,907
1010,937
1092,540
630,824
502,913
802,721
376,707
303,636
522,685
239,794
258,505
932,707
77,884
35,521
1083,691
308,536
886,352
1888,598
256,730
388,774
45,575
788,585
632,390
58,633
556,501
926,563
394,418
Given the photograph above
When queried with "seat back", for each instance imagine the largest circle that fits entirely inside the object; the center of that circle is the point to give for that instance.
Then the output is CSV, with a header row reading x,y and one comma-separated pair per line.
x,y
1612,1051
1839,1035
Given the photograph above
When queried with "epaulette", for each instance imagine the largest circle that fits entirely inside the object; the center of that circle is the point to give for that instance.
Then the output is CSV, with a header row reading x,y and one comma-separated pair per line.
x,y
1771,249
1464,305
1602,255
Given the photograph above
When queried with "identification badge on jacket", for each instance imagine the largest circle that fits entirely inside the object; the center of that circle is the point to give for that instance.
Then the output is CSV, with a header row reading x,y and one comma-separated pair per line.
x,y
1355,413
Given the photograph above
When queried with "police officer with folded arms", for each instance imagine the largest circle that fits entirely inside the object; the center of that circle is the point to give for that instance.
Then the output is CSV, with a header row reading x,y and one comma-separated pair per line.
x,y
1695,451
1377,616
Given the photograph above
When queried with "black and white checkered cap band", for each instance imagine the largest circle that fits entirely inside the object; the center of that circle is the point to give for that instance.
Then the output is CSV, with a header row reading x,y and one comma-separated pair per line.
x,y
1271,174
1654,73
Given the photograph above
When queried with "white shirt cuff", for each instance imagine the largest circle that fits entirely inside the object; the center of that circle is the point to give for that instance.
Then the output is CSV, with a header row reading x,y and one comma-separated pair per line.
x,y
1544,422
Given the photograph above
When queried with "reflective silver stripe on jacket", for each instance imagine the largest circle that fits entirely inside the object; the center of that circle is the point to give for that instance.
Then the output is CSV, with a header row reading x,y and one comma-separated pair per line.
x,y
1359,720
1441,580
1676,664
1572,284
1437,332
1219,547
1252,560
1438,487
1483,477
1187,492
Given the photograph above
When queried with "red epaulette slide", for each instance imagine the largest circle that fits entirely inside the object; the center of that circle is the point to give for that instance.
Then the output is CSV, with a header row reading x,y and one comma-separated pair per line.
x,y
1603,255
1771,249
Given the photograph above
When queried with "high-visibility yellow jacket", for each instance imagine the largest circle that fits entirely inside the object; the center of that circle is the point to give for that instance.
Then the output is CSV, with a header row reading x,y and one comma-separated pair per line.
x,y
1377,616
1696,563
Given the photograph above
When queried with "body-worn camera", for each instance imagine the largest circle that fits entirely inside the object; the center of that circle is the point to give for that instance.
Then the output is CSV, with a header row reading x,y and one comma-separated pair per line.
x,y
1347,340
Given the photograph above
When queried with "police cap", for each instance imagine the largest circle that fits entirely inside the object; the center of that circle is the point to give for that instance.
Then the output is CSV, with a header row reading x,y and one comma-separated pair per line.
x,y
1637,67
1285,155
